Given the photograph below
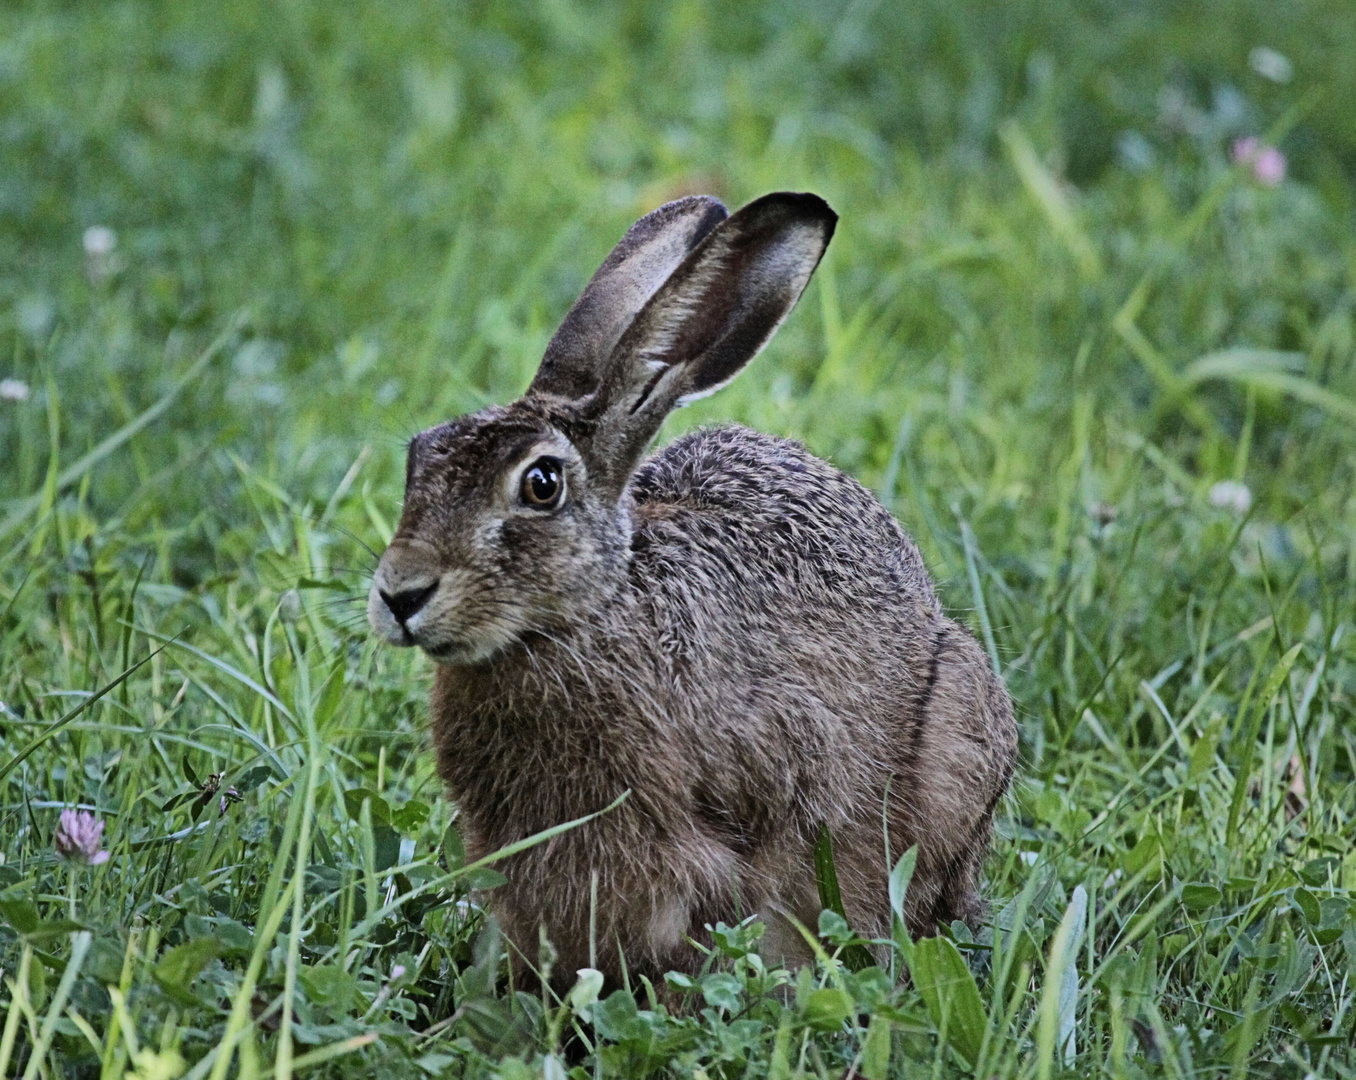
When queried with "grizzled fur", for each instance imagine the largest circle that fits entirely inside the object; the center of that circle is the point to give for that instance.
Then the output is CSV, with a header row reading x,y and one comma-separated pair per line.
x,y
732,630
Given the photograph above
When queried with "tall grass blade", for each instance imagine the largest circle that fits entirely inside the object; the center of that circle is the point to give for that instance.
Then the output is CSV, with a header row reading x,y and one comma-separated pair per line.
x,y
56,725
79,947
1047,194
74,472
856,957
1248,738
18,987
1059,999
977,593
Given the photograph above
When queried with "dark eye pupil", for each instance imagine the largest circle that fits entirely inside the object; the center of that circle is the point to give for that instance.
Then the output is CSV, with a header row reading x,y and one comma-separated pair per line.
x,y
541,483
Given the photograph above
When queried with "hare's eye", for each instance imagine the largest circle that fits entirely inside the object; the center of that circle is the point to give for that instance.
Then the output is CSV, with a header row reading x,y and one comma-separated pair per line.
x,y
543,484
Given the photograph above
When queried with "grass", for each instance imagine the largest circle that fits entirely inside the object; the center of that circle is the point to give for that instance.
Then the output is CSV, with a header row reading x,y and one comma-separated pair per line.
x,y
1055,319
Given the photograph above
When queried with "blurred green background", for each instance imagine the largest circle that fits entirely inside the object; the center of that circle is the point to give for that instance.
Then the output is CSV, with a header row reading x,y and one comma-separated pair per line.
x,y
1096,358
406,197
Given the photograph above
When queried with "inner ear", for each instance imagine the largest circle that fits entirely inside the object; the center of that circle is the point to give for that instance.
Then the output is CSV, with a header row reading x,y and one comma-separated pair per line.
x,y
629,276
710,318
718,309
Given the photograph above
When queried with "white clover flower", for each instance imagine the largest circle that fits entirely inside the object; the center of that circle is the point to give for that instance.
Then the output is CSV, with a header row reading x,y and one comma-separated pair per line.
x,y
102,260
1231,495
1270,64
100,241
13,390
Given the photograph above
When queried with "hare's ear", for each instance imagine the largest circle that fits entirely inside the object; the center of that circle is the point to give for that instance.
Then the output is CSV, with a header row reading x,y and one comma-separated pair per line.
x,y
649,252
709,319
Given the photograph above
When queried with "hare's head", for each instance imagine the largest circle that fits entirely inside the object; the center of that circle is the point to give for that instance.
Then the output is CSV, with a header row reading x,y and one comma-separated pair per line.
x,y
516,519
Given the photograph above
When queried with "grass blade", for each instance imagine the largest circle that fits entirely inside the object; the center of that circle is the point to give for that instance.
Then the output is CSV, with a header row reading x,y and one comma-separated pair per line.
x,y
17,986
56,725
856,957
1059,999
326,1053
79,946
977,592
74,472
221,665
1248,739
1047,194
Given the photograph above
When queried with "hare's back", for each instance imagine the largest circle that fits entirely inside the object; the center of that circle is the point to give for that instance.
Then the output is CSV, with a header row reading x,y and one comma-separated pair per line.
x,y
793,611
758,514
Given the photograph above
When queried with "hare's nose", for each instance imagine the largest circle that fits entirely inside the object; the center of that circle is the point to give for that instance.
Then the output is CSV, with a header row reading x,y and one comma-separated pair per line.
x,y
405,603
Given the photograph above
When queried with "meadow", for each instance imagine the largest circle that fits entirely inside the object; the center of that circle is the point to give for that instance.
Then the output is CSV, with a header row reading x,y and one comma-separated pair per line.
x,y
1087,327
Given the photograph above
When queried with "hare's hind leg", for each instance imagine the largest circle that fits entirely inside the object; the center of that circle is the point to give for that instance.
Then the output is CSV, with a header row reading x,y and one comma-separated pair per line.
x,y
957,761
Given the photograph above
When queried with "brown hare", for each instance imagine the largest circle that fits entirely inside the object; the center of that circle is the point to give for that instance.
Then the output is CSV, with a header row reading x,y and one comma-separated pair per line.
x,y
731,629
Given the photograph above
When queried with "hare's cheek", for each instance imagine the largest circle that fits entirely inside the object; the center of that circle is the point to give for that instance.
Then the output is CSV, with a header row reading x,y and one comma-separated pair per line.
x,y
489,541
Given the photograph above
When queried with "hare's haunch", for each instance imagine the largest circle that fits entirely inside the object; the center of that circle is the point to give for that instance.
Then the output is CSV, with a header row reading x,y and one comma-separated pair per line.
x,y
732,630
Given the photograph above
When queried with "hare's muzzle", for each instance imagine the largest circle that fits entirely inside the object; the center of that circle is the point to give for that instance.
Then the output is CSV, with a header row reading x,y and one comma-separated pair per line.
x,y
455,614
401,588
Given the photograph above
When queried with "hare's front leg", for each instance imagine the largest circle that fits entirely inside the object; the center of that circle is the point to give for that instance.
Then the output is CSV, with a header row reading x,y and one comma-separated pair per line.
x,y
686,887
652,895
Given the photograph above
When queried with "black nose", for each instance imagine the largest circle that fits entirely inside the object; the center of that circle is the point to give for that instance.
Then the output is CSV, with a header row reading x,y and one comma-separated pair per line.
x,y
404,604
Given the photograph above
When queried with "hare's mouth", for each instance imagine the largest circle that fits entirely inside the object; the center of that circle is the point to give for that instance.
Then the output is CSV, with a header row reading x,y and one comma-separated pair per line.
x,y
470,636
446,651
459,653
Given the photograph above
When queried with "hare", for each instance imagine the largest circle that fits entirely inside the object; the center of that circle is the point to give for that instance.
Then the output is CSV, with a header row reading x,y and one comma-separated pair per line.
x,y
731,630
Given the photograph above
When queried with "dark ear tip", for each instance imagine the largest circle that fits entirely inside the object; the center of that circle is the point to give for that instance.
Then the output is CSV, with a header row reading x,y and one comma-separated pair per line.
x,y
803,206
807,202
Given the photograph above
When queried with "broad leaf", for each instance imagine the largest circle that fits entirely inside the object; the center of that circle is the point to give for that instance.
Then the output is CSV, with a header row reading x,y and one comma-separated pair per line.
x,y
181,965
949,991
826,1009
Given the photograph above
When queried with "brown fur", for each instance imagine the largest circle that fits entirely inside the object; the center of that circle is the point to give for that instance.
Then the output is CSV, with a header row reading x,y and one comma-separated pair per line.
x,y
732,630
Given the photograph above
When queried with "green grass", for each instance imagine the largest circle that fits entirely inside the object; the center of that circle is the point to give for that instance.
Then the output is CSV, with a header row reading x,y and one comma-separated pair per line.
x,y
1053,319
